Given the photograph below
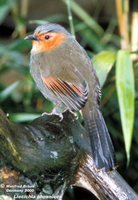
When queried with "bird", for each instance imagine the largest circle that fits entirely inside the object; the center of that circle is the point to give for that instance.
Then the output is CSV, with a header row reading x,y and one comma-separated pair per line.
x,y
64,74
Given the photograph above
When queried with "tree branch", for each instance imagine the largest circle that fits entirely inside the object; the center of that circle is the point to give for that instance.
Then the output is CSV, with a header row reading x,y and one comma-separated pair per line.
x,y
49,155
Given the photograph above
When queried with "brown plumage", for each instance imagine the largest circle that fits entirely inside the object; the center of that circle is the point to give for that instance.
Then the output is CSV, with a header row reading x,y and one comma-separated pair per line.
x,y
63,73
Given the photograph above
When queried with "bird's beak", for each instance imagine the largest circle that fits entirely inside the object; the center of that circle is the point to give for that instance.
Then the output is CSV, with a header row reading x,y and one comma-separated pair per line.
x,y
31,37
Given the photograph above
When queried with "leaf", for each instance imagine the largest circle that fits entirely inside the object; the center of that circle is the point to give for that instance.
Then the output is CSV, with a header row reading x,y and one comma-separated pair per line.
x,y
23,117
8,91
103,63
126,93
5,6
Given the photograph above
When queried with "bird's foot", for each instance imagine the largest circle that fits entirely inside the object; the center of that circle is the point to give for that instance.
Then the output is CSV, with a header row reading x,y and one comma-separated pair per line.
x,y
54,112
75,115
46,113
60,115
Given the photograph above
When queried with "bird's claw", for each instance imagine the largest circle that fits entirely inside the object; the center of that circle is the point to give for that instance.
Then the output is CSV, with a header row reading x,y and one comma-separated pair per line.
x,y
45,113
54,112
60,115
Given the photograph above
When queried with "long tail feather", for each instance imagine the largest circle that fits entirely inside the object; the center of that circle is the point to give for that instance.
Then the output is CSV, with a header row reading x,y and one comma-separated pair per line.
x,y
101,144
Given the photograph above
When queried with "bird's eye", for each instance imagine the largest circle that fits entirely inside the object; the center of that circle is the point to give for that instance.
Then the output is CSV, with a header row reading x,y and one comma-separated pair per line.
x,y
47,37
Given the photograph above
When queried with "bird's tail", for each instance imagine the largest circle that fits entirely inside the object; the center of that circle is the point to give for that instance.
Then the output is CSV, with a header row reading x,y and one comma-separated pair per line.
x,y
101,144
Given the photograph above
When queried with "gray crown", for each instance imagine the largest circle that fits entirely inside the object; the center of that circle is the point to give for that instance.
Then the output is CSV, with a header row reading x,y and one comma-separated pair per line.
x,y
50,27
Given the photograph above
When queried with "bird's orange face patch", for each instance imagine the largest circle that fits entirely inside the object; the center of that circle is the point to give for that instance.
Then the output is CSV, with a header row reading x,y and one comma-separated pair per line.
x,y
47,41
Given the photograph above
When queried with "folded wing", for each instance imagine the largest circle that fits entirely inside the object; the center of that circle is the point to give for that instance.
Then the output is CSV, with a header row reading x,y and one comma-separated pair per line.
x,y
72,95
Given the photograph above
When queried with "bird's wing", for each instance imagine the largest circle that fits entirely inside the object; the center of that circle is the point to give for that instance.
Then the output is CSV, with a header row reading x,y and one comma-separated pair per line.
x,y
72,95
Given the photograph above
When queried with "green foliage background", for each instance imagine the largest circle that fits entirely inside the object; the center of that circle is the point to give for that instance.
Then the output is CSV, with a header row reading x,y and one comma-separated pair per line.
x,y
117,74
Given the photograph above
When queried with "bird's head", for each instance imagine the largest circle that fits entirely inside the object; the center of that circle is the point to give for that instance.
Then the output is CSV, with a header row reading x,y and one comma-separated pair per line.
x,y
48,37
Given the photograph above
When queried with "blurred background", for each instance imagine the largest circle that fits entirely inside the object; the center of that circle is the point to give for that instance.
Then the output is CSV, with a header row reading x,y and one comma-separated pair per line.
x,y
108,30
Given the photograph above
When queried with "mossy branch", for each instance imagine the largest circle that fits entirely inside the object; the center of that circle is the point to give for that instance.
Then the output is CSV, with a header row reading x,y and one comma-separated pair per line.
x,y
49,155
